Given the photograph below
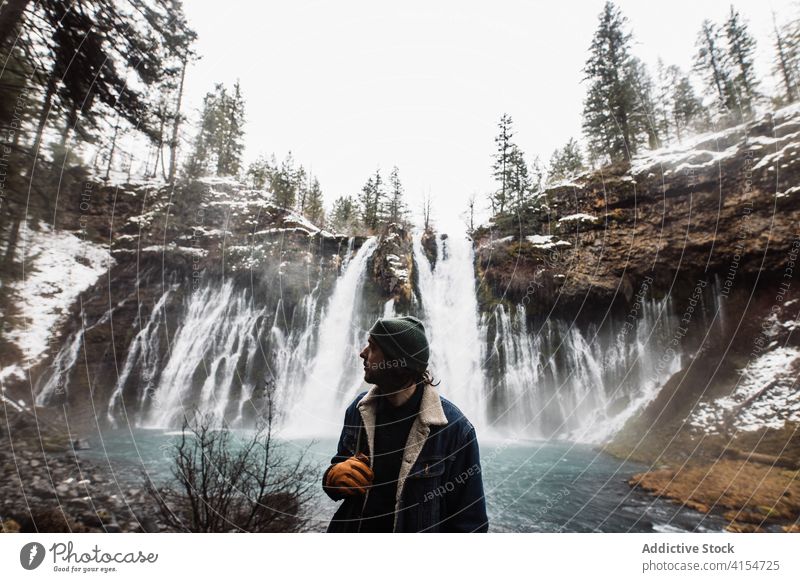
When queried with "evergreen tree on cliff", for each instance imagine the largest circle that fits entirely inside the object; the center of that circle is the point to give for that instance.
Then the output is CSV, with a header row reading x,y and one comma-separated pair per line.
x,y
565,162
371,201
344,215
314,209
687,110
230,141
786,64
198,162
520,183
282,184
644,115
741,48
503,166
609,108
259,172
219,143
397,211
712,65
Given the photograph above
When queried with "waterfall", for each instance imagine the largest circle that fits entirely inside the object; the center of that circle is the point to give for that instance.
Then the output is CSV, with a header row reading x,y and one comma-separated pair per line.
x,y
559,381
231,350
335,372
450,314
62,366
144,352
208,357
64,363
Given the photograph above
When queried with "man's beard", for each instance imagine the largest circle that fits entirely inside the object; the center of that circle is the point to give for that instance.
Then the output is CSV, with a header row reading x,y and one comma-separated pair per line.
x,y
388,381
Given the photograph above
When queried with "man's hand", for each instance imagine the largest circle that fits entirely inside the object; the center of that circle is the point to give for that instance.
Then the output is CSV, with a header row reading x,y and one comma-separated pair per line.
x,y
351,477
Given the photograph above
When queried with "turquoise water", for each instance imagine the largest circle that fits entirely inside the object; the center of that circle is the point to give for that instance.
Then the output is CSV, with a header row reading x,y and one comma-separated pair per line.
x,y
529,486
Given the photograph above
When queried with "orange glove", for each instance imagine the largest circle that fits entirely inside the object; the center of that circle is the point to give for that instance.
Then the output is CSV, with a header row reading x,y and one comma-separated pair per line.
x,y
351,477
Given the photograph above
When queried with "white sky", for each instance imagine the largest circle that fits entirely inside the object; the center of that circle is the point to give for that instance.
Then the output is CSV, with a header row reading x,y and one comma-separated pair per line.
x,y
353,86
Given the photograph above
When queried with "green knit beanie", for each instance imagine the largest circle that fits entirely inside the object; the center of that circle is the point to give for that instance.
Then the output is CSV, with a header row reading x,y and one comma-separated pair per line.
x,y
403,340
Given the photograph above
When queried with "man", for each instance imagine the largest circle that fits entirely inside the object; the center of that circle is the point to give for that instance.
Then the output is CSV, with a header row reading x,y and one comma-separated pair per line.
x,y
407,459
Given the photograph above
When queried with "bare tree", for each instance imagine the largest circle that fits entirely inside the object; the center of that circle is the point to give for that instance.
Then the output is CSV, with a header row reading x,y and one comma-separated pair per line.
x,y
229,484
471,205
427,205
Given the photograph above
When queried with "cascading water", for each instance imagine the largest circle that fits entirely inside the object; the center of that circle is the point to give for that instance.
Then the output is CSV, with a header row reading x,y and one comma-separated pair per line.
x,y
229,351
62,366
335,372
558,381
216,344
450,314
144,356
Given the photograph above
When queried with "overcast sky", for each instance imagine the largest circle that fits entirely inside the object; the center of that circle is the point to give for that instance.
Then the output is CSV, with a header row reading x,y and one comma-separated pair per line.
x,y
353,86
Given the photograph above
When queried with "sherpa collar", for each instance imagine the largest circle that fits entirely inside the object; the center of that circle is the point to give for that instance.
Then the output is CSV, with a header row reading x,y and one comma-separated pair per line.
x,y
430,414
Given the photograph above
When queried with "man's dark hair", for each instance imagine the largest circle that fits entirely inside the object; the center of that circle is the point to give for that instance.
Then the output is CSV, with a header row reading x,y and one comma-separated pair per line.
x,y
427,378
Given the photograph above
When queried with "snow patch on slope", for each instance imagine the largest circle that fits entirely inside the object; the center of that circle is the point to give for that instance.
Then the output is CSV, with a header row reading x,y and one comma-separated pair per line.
x,y
58,267
767,395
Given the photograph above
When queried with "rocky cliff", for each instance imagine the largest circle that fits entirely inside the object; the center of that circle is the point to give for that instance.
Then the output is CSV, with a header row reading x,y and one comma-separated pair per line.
x,y
167,246
710,230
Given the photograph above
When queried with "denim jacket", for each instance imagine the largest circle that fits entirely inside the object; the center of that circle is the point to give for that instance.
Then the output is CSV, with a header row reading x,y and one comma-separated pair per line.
x,y
439,488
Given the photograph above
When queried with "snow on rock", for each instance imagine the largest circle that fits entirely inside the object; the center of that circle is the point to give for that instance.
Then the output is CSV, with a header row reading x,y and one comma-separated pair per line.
x,y
173,248
767,395
580,217
491,243
57,266
545,241
711,149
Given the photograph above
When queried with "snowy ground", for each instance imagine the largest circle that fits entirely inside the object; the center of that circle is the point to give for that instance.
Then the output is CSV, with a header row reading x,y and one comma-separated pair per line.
x,y
767,395
56,268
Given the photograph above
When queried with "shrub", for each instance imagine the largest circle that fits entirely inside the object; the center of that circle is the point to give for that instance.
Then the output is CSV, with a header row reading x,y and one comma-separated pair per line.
x,y
224,483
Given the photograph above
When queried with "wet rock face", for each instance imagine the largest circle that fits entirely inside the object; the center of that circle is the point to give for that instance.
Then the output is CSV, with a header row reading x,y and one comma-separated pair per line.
x,y
183,240
392,264
727,206
429,245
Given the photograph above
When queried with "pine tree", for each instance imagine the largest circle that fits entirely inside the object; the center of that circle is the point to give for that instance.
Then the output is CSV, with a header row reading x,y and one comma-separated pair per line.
x,y
219,143
368,211
198,162
282,184
258,173
314,209
712,65
688,113
230,138
664,104
397,210
301,187
372,202
344,215
740,53
519,181
643,118
565,162
787,59
608,109
503,164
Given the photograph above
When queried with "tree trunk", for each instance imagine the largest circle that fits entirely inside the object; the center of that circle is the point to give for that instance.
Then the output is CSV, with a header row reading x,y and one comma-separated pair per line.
x,y
173,144
48,101
111,153
10,18
13,238
160,147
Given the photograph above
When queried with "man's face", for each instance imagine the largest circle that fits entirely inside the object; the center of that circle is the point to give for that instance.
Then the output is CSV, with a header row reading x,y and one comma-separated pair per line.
x,y
378,370
373,358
